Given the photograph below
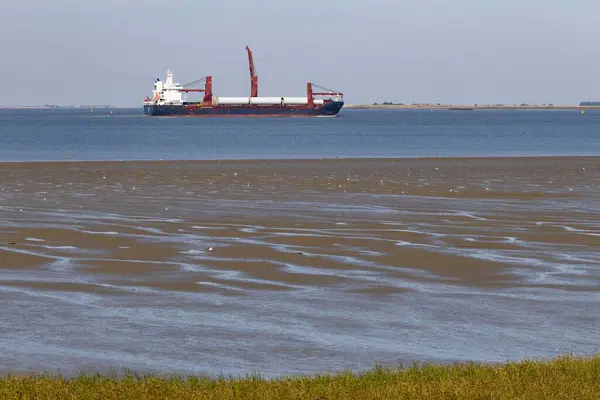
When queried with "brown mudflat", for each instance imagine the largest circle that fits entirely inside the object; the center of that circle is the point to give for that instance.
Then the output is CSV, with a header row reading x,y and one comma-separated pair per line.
x,y
339,258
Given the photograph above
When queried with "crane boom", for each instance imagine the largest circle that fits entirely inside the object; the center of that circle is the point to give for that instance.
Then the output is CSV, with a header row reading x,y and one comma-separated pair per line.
x,y
253,77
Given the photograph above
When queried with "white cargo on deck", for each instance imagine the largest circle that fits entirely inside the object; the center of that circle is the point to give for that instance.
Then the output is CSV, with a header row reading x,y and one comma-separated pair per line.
x,y
265,100
295,100
232,100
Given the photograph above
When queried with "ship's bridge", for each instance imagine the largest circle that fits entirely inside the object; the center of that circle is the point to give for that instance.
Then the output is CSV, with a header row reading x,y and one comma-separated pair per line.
x,y
168,92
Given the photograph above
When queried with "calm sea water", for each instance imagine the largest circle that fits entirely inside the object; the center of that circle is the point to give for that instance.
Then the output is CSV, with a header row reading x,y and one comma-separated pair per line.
x,y
296,267
127,134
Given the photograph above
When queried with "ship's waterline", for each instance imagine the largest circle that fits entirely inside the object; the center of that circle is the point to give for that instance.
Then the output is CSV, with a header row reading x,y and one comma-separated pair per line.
x,y
330,109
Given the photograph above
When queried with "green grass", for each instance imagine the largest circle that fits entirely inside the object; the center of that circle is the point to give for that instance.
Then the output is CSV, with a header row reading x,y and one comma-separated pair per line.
x,y
566,377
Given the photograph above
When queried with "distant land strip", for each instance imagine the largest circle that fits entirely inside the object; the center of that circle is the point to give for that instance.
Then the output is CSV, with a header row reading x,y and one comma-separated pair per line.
x,y
92,106
378,106
465,107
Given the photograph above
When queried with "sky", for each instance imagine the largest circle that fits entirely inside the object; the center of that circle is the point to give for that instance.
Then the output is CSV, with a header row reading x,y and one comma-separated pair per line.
x,y
460,51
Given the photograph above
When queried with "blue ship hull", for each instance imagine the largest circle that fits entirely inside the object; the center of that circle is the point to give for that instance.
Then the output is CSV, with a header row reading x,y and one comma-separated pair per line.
x,y
195,110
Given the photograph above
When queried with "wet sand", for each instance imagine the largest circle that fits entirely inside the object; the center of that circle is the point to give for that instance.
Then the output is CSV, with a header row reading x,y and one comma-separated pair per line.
x,y
296,266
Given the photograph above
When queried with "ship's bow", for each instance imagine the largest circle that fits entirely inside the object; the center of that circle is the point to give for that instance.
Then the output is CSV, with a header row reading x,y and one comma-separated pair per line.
x,y
332,108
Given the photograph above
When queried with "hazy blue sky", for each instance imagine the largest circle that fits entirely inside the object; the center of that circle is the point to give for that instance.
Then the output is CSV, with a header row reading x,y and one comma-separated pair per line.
x,y
463,51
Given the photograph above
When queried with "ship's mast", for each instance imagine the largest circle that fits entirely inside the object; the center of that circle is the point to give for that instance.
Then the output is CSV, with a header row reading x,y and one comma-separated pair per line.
x,y
253,77
169,80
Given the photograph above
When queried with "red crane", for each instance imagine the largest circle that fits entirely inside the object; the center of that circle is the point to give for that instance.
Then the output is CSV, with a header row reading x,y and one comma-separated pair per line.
x,y
253,77
208,94
310,93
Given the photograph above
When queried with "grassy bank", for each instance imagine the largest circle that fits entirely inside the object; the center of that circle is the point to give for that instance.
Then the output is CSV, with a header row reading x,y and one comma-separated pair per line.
x,y
561,378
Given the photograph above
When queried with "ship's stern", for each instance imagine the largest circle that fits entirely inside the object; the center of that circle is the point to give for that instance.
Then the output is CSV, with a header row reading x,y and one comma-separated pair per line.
x,y
148,109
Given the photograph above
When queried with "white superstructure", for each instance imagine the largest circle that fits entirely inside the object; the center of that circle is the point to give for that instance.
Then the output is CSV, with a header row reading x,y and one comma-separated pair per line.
x,y
167,92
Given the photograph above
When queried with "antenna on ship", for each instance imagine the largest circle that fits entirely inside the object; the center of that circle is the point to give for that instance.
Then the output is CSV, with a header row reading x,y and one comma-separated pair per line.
x,y
253,76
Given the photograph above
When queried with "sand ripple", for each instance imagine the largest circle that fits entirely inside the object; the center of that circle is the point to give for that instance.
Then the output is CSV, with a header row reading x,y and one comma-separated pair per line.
x,y
211,266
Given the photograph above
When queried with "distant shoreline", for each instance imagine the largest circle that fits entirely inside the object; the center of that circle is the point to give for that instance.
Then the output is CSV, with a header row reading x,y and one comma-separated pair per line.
x,y
23,108
368,107
464,107
59,107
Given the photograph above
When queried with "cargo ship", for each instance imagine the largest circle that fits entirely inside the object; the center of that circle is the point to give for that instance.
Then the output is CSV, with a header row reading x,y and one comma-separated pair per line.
x,y
169,98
